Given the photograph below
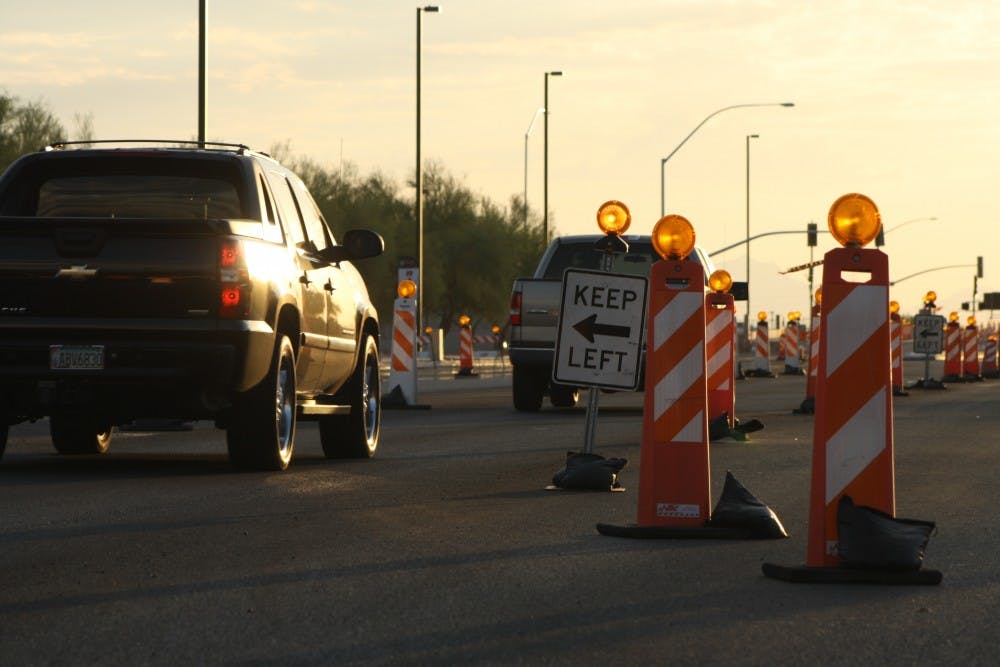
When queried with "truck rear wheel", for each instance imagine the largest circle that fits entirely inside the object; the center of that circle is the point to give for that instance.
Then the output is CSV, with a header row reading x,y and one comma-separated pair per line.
x,y
261,431
355,436
563,395
78,434
528,384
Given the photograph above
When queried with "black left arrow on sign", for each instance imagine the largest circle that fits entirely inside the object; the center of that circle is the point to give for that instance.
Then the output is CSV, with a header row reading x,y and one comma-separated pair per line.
x,y
588,328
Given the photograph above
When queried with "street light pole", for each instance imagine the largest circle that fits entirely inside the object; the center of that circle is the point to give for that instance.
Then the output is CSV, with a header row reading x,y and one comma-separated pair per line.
x,y
545,178
663,161
746,315
419,178
201,73
526,135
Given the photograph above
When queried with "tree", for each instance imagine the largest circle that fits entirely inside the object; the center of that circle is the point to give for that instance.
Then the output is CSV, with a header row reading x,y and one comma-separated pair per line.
x,y
25,127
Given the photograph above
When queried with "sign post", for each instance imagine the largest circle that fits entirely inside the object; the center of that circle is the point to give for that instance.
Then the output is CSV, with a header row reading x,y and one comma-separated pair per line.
x,y
599,341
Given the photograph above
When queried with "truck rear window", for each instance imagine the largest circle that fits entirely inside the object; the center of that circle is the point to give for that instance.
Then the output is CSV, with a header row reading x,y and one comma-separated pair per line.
x,y
125,185
127,196
637,262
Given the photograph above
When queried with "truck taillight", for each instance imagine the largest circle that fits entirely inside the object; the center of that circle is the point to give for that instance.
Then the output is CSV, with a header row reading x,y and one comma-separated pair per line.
x,y
234,281
515,309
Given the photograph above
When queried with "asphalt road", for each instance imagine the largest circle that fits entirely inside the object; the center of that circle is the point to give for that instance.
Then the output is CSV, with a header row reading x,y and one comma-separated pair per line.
x,y
447,548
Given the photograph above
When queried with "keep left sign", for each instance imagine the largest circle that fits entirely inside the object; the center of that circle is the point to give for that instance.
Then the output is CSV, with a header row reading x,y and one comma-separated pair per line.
x,y
599,342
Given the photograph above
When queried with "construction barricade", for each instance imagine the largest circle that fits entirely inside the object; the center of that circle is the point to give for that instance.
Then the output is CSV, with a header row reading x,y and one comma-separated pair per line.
x,y
720,323
808,405
466,367
402,384
793,363
970,352
896,348
990,368
852,462
952,350
762,350
674,473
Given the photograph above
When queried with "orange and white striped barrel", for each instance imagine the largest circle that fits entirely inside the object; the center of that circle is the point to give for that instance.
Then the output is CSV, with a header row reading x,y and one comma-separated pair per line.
x,y
853,430
403,367
465,365
896,345
970,353
674,479
952,352
762,349
720,353
989,368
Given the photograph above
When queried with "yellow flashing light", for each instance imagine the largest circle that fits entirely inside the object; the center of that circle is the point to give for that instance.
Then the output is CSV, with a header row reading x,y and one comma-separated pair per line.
x,y
761,316
893,307
953,316
930,297
971,319
854,220
496,329
720,281
673,237
406,289
464,320
819,296
613,217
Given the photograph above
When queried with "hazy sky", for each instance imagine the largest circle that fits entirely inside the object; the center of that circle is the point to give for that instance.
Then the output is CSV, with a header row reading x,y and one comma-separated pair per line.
x,y
896,100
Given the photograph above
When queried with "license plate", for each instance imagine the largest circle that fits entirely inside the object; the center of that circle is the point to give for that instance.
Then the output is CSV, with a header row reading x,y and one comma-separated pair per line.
x,y
76,357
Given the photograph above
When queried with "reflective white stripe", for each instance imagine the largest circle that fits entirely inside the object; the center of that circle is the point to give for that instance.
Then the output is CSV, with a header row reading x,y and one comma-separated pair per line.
x,y
719,323
692,431
855,445
853,321
674,314
673,385
403,327
719,359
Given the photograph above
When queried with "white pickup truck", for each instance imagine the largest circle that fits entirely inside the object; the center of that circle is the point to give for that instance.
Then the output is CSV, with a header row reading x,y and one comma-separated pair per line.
x,y
534,311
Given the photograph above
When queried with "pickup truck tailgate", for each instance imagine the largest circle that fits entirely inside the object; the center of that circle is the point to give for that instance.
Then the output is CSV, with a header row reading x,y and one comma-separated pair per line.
x,y
541,299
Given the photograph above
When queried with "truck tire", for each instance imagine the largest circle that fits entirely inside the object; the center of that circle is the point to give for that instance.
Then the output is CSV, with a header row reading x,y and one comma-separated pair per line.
x,y
78,434
563,395
528,384
261,431
355,436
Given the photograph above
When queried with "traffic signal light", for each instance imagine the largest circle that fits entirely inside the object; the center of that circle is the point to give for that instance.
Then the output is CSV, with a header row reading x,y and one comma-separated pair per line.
x,y
979,266
811,234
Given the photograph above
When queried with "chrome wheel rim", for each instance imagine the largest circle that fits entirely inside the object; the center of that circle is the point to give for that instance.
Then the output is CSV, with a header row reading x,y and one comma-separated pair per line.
x,y
285,407
370,398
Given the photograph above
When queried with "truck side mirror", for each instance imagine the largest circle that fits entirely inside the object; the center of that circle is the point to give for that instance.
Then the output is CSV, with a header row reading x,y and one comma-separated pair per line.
x,y
356,244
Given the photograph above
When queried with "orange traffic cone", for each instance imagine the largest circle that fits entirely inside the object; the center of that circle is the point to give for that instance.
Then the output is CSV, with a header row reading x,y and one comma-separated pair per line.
x,y
674,472
990,368
952,350
721,358
852,458
896,346
970,352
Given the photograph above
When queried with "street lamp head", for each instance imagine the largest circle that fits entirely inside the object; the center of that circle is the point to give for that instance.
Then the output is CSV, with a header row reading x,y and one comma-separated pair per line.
x,y
753,136
788,104
555,73
433,9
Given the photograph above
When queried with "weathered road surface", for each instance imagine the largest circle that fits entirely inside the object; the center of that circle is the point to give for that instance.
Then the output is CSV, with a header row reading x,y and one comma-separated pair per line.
x,y
447,549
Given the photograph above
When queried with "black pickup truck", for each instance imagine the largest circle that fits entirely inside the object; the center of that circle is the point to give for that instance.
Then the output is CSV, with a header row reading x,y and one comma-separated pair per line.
x,y
182,282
